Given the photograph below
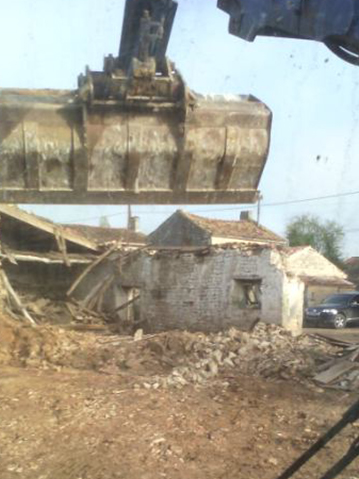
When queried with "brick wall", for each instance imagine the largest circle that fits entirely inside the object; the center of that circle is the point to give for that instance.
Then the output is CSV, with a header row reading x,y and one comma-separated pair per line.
x,y
200,291
179,231
197,292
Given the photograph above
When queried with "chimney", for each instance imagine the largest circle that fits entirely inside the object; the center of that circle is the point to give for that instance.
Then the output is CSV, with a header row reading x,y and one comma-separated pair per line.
x,y
246,216
134,224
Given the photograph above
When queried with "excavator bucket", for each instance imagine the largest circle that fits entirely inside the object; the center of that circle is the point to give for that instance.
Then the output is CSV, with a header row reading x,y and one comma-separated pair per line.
x,y
133,133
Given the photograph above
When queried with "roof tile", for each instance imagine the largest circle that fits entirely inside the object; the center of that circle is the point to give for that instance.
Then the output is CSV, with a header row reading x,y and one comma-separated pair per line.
x,y
101,235
242,229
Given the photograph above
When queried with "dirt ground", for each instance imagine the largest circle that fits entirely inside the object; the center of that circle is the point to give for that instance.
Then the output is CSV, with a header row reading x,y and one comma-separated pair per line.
x,y
80,422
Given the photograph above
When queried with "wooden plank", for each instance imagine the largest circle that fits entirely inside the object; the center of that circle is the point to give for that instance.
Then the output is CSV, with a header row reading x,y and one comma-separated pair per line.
x,y
353,356
91,267
332,340
92,305
15,298
86,301
61,244
125,305
334,372
14,258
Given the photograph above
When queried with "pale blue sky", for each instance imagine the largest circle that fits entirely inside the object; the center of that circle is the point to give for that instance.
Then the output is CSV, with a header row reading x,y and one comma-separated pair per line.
x,y
313,95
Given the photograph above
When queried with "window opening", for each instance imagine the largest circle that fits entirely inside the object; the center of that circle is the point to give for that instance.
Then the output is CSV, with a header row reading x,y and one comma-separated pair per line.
x,y
247,293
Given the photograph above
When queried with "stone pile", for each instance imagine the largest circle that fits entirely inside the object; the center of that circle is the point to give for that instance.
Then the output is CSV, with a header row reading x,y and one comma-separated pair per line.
x,y
179,358
268,351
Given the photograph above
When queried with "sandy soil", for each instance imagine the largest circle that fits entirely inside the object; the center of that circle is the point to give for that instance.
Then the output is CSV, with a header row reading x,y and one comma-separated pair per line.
x,y
82,424
85,417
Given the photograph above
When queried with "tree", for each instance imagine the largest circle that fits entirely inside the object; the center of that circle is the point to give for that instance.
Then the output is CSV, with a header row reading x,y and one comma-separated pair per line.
x,y
104,223
326,237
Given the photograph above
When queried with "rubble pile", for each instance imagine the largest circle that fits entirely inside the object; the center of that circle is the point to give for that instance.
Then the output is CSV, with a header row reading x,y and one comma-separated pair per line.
x,y
50,311
178,358
268,351
45,346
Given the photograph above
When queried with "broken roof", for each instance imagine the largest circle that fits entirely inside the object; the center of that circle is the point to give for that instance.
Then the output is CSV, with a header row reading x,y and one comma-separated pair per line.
x,y
102,235
246,230
31,222
31,230
52,257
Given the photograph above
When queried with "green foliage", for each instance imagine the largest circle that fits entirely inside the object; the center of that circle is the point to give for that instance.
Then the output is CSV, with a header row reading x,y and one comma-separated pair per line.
x,y
326,237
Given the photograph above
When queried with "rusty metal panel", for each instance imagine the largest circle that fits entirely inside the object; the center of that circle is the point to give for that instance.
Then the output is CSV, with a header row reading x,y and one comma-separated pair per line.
x,y
12,157
56,149
155,147
206,146
107,148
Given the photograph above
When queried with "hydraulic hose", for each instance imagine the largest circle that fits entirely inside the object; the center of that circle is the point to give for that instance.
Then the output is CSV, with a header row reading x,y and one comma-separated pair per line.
x,y
343,50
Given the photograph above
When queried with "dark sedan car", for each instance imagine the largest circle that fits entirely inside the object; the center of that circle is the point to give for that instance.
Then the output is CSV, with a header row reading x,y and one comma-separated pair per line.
x,y
338,311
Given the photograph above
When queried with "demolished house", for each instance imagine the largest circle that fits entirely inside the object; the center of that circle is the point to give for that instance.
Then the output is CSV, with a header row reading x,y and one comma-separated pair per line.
x,y
44,264
203,274
83,273
212,288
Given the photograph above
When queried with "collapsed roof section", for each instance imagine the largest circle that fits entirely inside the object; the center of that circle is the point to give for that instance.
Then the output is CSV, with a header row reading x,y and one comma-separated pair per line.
x,y
25,231
103,235
22,231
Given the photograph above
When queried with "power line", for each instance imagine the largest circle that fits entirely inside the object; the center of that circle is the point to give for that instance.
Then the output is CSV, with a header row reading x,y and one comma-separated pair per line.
x,y
97,217
154,212
316,198
232,208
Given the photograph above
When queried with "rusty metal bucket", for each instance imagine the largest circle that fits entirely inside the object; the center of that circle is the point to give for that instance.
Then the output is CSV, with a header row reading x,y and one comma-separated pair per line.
x,y
55,148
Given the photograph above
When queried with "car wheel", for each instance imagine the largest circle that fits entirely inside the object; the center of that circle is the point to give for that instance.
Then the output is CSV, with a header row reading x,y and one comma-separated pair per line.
x,y
340,321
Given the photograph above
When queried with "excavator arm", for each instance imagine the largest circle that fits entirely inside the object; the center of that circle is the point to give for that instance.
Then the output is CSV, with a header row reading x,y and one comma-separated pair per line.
x,y
332,22
146,31
141,71
133,132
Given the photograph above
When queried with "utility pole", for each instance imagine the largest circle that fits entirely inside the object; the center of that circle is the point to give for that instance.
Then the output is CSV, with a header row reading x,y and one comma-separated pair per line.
x,y
129,216
260,198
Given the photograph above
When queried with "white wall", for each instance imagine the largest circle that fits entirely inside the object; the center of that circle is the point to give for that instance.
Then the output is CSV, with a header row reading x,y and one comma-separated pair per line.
x,y
308,262
293,303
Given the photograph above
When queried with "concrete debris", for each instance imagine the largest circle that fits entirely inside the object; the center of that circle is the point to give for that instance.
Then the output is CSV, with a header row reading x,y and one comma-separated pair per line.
x,y
268,351
51,311
138,335
176,359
